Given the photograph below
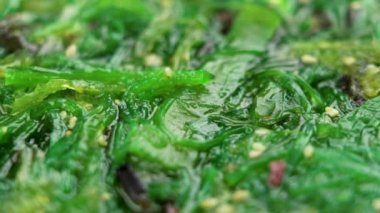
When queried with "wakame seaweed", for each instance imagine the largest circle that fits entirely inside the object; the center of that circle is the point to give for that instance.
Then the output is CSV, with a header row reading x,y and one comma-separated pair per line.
x,y
189,106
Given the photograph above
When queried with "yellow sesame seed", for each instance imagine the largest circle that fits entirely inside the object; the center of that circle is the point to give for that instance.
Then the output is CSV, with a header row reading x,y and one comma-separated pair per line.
x,y
240,195
168,72
118,102
262,131
153,60
71,51
309,59
40,154
68,133
106,196
225,208
255,153
230,167
258,146
355,5
332,112
102,141
372,69
72,122
349,61
308,151
376,204
88,106
63,114
209,203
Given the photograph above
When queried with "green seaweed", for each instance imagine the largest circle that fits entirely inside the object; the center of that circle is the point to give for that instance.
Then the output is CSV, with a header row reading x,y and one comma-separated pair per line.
x,y
189,106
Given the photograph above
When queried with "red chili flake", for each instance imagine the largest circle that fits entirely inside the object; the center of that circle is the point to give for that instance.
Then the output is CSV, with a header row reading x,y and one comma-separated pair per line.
x,y
276,172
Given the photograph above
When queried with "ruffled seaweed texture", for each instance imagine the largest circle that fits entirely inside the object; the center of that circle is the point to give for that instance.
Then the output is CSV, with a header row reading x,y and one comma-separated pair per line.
x,y
189,106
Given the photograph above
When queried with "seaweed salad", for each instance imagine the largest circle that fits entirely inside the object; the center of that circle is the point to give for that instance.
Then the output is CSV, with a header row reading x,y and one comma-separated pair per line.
x,y
181,106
